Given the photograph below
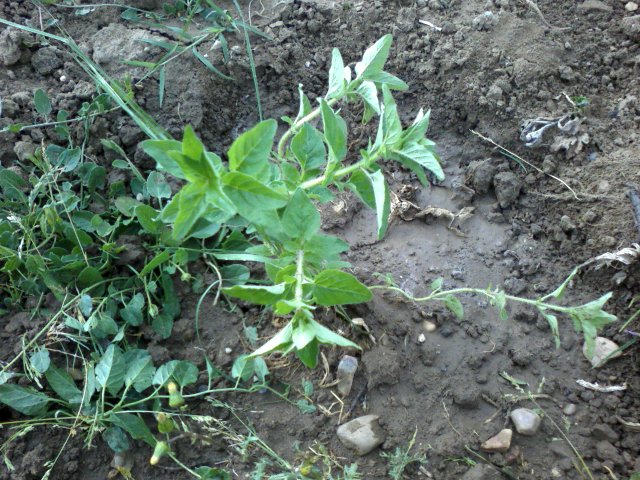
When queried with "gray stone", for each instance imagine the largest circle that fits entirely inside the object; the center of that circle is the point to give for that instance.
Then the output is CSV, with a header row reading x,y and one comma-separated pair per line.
x,y
346,371
466,396
498,443
494,93
11,42
361,434
482,175
595,6
604,432
115,44
526,421
24,150
46,60
602,349
485,21
631,27
507,186
569,409
631,7
482,471
605,451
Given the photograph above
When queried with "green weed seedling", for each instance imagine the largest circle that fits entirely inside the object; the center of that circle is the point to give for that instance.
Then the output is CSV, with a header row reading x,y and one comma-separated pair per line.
x,y
401,458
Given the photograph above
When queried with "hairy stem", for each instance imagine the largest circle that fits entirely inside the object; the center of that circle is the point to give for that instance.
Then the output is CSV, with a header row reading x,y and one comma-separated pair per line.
x,y
282,144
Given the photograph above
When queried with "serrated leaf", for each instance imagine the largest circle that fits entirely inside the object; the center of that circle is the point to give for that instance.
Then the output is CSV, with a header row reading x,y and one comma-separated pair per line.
x,y
374,58
308,148
301,218
336,75
454,306
334,287
257,294
250,152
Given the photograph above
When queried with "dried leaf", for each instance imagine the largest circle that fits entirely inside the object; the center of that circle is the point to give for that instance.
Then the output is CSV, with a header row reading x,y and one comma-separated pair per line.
x,y
598,388
626,256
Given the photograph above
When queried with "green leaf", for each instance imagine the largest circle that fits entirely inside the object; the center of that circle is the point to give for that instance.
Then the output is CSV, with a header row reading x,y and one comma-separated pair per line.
x,y
164,372
148,218
163,325
140,370
335,132
324,249
110,370
249,194
303,405
552,320
250,152
127,205
301,218
62,383
192,203
327,336
369,94
116,438
418,128
161,82
25,400
257,294
305,105
423,156
390,128
40,360
88,277
157,186
185,373
303,333
134,426
437,284
192,147
155,262
208,473
334,287
159,151
132,312
281,341
205,61
42,102
390,81
383,201
454,306
374,58
308,148
336,76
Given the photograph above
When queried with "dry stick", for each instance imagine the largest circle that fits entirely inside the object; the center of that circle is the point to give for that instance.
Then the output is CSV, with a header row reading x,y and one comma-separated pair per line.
x,y
536,9
486,139
634,196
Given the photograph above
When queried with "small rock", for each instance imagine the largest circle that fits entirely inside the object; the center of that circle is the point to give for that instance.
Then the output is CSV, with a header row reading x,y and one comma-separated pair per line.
x,y
605,451
422,338
498,443
314,26
507,186
482,175
569,409
482,471
526,421
24,150
46,60
429,326
631,7
566,73
361,434
466,396
631,27
494,93
602,349
485,21
604,432
566,224
346,371
595,6
11,42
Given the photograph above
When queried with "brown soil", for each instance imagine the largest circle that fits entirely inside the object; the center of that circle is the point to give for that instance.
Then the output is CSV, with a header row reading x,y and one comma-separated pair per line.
x,y
483,73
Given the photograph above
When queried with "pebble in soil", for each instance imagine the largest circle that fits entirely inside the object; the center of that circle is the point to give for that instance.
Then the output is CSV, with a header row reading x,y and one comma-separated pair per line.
x,y
361,434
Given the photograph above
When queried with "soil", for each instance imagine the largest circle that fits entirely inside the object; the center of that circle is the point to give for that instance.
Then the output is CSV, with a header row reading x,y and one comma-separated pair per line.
x,y
486,72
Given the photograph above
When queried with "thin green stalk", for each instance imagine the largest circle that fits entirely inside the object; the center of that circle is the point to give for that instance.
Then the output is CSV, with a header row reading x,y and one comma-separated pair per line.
x,y
299,277
294,128
441,294
252,64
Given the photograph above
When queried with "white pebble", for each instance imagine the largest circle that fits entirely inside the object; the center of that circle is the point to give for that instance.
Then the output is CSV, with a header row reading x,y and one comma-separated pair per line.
x,y
421,338
63,78
228,350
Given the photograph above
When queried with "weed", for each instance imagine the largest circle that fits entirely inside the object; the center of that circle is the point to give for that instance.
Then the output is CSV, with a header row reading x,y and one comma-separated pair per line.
x,y
401,458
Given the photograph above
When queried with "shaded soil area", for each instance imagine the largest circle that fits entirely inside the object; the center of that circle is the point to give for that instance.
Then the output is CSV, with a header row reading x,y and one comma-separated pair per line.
x,y
487,66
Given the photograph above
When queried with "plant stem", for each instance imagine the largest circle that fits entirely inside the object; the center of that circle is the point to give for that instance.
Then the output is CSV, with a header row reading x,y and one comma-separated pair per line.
x,y
282,144
299,277
441,294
